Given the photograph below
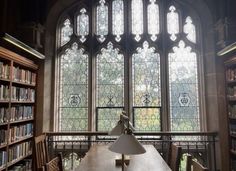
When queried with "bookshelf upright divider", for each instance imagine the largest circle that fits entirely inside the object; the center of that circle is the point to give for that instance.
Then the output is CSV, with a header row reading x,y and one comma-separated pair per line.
x,y
17,110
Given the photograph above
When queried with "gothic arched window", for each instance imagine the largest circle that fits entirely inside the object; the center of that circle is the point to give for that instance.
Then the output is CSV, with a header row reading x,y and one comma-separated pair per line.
x,y
141,56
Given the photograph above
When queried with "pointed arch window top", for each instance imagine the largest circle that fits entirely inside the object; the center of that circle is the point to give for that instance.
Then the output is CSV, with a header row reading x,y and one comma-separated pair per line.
x,y
153,19
172,23
102,21
66,32
190,29
137,18
83,25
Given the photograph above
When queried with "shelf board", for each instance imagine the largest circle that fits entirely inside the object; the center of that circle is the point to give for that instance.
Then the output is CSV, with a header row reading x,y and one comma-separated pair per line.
x,y
233,135
23,120
23,139
2,168
26,84
22,102
3,146
233,152
3,124
17,160
232,118
4,101
5,79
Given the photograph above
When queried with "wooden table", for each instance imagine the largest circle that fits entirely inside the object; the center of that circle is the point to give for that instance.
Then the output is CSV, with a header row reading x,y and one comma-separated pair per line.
x,y
99,158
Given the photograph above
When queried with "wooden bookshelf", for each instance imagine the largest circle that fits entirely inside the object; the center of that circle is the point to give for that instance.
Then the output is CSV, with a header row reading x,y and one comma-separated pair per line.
x,y
17,107
230,77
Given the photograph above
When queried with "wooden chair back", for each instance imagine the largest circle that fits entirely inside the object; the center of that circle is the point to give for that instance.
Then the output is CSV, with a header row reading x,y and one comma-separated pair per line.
x,y
55,164
193,165
41,153
175,153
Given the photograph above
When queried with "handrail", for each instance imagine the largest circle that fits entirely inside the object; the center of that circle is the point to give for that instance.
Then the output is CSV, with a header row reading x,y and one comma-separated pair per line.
x,y
91,133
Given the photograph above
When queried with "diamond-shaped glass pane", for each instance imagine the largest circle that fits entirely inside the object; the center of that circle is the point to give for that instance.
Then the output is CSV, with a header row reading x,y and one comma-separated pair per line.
x,y
137,18
83,25
153,20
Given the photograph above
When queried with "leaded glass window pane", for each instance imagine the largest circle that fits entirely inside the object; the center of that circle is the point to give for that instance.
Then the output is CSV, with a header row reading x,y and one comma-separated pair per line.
x,y
66,32
172,23
110,86
107,118
153,20
146,88
73,89
102,20
190,29
118,19
146,77
147,119
83,25
183,89
110,77
137,18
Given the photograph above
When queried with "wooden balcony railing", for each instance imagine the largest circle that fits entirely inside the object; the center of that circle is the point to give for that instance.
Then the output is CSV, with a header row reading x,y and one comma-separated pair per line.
x,y
74,145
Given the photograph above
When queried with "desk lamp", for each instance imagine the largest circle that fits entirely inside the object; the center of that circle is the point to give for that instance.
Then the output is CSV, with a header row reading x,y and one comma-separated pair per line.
x,y
126,143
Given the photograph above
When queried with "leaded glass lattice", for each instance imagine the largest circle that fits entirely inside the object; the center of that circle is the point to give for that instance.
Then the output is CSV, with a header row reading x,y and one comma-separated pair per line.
x,y
153,20
73,110
83,25
183,89
190,29
147,119
146,77
146,88
110,77
102,21
66,32
137,18
172,23
110,86
118,19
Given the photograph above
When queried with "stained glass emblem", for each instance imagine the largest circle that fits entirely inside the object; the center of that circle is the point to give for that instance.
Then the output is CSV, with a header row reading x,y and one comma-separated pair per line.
x,y
190,29
66,32
83,25
153,20
118,19
74,100
102,21
172,23
137,18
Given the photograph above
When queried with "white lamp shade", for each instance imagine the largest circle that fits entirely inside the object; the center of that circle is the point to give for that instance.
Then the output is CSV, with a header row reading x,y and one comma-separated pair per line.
x,y
127,144
118,129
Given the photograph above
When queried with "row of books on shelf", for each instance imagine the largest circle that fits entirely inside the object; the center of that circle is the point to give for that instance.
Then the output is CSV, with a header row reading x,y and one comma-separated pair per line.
x,y
232,111
4,92
233,144
3,159
18,93
23,94
232,91
230,74
4,70
19,151
17,113
3,137
24,76
25,165
19,132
